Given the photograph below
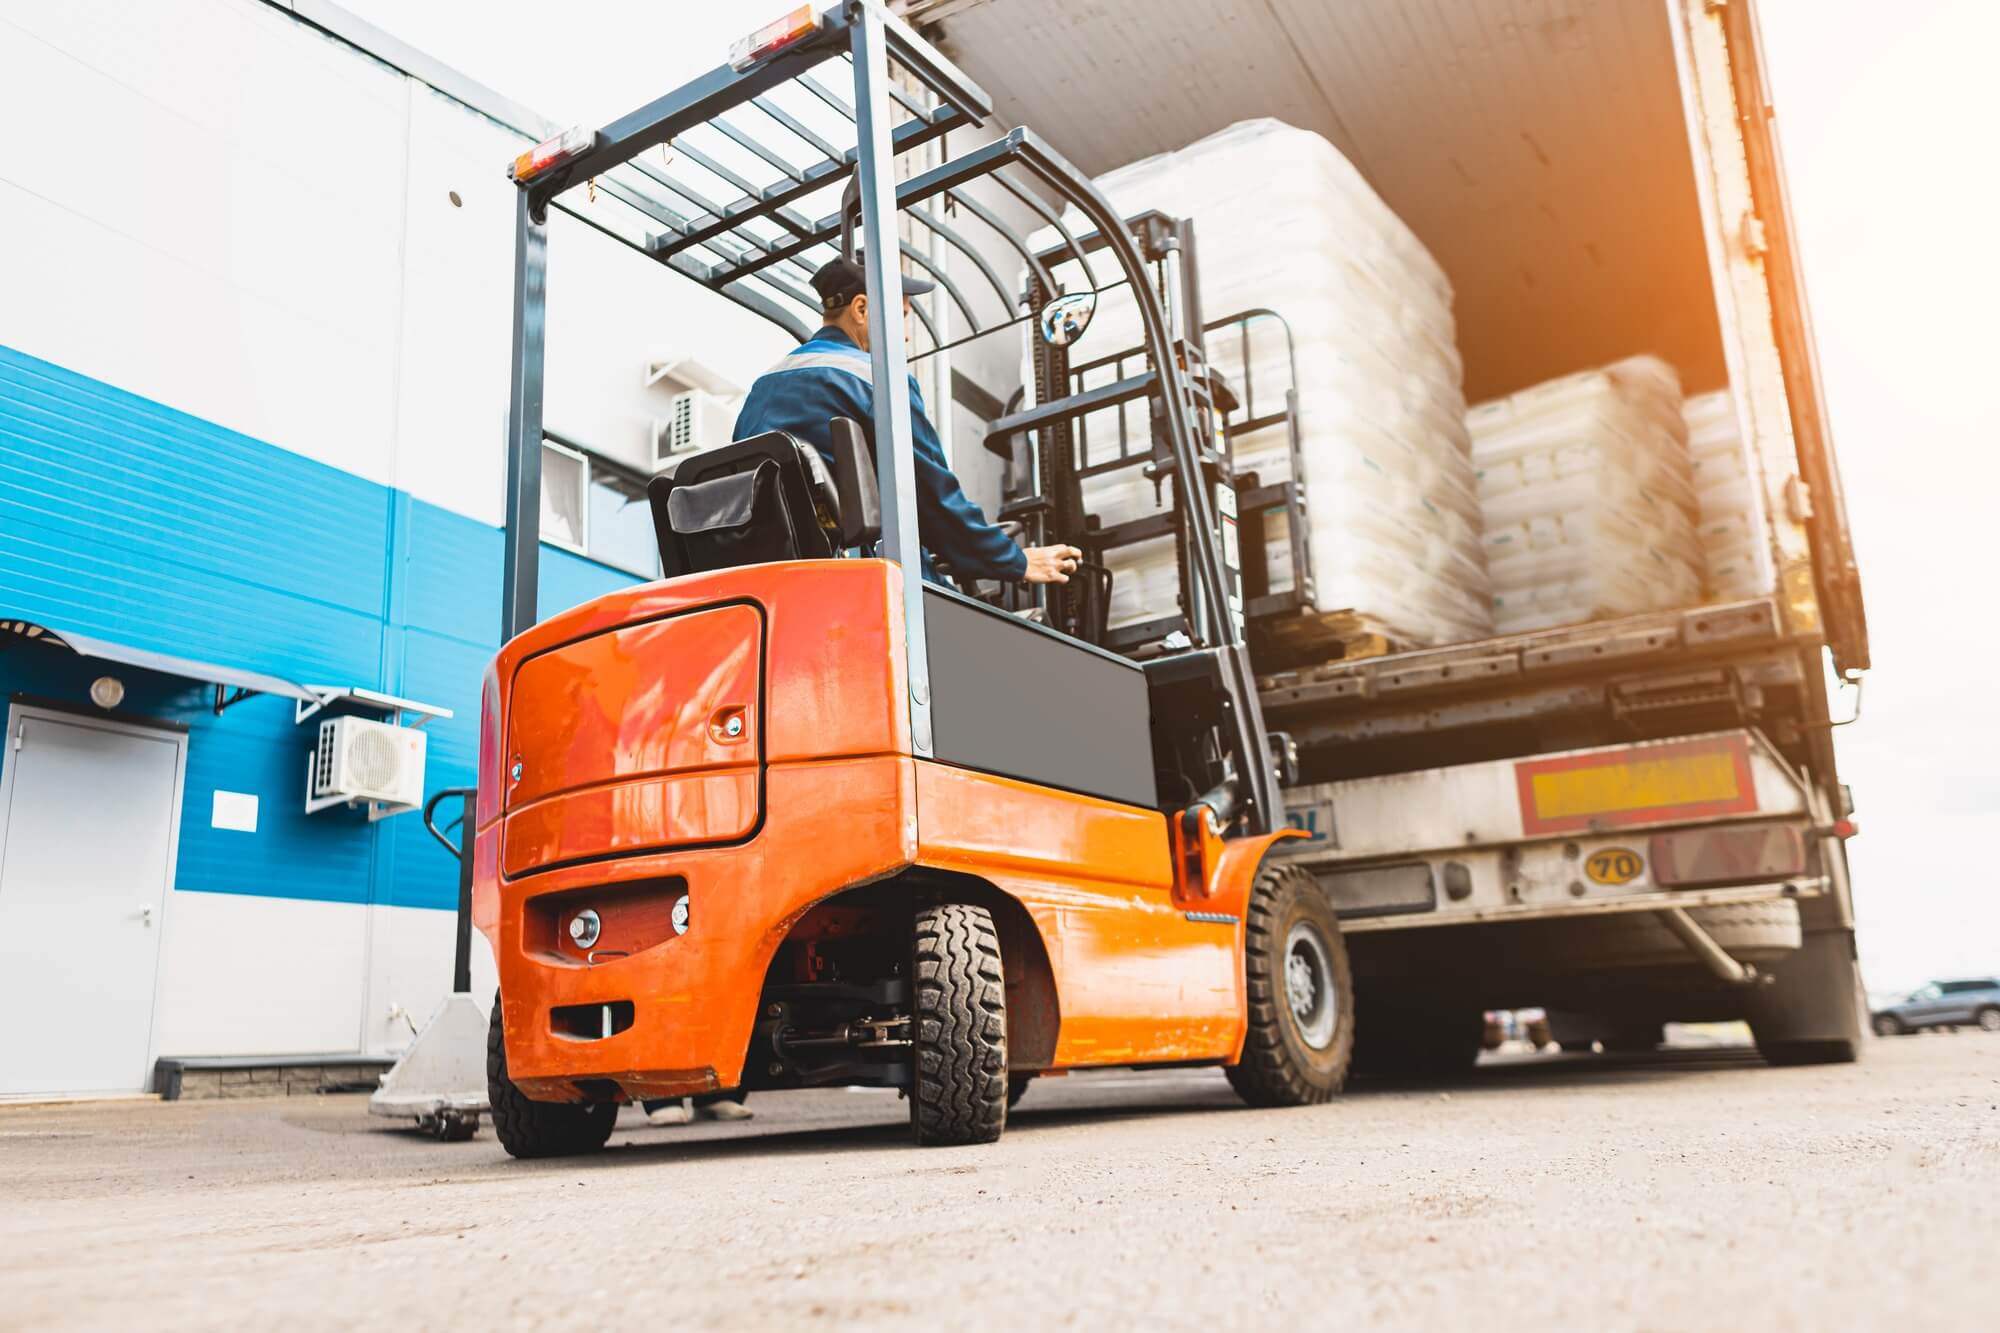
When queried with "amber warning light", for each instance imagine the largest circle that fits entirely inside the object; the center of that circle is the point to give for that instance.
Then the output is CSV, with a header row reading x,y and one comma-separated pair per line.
x,y
571,144
773,37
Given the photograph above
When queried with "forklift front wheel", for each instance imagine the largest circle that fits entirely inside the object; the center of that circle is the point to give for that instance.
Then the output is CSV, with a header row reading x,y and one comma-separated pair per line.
x,y
1301,993
959,1040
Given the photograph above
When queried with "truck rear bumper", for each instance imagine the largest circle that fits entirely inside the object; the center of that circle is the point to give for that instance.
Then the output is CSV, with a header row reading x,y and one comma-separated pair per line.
x,y
1655,901
1697,822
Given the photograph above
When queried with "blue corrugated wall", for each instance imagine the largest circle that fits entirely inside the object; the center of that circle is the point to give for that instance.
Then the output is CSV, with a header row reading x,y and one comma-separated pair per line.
x,y
127,520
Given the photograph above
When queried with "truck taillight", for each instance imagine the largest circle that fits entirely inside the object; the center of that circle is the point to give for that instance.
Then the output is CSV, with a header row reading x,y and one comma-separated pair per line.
x,y
773,37
571,144
1699,858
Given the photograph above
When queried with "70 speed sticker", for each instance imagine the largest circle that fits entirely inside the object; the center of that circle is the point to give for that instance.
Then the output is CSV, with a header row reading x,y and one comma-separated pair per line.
x,y
1614,865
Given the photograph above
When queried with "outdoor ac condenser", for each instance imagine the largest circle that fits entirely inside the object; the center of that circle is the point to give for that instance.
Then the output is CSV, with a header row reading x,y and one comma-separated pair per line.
x,y
359,760
696,419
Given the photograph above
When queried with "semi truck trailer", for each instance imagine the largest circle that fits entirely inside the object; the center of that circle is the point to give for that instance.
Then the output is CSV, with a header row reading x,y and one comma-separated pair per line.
x,y
1630,820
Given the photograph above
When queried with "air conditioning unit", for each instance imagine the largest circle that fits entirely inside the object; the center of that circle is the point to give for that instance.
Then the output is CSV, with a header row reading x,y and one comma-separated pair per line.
x,y
359,760
696,419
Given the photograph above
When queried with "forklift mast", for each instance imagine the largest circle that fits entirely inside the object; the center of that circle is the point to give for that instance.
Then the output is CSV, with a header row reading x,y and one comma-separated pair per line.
x,y
836,111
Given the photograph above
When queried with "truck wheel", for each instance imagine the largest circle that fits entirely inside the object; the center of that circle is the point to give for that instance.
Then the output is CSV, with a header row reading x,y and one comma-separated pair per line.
x,y
528,1128
959,1039
1888,1025
1808,1015
1301,994
1988,1020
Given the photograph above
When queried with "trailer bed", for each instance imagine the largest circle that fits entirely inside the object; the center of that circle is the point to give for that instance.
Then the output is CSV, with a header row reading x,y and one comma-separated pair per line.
x,y
1628,666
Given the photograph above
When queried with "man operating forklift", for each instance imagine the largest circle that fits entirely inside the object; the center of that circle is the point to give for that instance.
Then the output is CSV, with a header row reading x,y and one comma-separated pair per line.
x,y
831,376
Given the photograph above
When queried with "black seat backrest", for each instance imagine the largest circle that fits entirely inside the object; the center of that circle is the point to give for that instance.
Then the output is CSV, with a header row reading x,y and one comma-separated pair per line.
x,y
757,500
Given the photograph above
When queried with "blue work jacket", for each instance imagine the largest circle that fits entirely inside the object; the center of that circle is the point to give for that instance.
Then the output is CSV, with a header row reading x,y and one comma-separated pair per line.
x,y
830,377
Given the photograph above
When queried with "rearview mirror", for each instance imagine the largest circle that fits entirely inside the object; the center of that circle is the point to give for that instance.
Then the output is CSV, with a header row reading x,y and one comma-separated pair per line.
x,y
854,483
1064,319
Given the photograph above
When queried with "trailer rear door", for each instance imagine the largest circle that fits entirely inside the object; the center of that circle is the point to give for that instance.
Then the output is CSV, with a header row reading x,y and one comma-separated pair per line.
x,y
1768,337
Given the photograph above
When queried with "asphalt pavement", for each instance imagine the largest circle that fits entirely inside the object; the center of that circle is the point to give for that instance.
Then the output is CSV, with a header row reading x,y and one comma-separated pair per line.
x,y
1690,1189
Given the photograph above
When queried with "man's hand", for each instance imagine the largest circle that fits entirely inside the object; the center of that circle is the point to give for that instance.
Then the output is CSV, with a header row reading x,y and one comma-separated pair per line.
x,y
1051,564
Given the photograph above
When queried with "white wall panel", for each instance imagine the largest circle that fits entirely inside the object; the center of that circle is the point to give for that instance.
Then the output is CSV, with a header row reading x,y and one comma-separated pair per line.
x,y
457,308
214,215
258,231
409,968
245,975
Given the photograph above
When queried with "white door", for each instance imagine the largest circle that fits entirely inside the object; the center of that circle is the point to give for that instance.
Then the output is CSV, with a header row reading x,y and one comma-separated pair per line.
x,y
88,814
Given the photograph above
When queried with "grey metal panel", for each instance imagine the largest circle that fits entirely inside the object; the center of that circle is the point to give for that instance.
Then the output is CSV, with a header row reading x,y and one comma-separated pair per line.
x,y
1537,147
1379,890
1012,698
236,678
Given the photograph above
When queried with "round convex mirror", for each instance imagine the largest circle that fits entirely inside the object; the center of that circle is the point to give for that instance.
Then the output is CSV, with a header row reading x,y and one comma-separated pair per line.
x,y
1066,317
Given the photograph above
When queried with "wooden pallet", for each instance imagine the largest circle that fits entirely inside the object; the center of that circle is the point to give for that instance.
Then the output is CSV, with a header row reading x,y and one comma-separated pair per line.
x,y
1324,636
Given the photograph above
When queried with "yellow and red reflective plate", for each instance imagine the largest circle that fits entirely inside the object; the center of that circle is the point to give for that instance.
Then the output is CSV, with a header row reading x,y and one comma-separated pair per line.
x,y
1640,784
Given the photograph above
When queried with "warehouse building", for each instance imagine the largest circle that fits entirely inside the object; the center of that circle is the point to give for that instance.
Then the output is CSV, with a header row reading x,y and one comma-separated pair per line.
x,y
253,390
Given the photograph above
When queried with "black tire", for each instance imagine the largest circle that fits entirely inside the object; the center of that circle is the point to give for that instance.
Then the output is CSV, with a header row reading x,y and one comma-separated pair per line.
x,y
1826,1051
1017,1088
453,1128
1296,1052
528,1128
959,1083
1808,1014
1888,1025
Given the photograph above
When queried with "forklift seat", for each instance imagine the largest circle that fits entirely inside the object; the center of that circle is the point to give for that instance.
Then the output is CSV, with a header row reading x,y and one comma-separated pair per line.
x,y
757,500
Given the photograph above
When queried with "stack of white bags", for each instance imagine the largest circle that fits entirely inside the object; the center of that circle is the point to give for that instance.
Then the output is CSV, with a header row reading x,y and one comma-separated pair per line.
x,y
1728,519
1283,221
1587,498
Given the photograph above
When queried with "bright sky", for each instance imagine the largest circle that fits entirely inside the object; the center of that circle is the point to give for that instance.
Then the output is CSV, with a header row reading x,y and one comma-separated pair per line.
x,y
1886,122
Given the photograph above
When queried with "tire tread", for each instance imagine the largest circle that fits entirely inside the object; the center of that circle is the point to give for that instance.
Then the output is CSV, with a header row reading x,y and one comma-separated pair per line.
x,y
959,1012
1270,1073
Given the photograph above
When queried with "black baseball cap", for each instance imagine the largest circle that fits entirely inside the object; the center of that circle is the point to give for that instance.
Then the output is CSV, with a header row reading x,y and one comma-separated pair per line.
x,y
840,280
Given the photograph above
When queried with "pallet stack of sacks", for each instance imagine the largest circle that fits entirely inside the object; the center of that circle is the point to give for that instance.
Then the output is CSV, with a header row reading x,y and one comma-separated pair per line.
x,y
1284,222
1586,495
1727,519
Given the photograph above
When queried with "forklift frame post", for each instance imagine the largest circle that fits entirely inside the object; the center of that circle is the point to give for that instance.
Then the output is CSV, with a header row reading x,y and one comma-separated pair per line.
x,y
521,545
895,451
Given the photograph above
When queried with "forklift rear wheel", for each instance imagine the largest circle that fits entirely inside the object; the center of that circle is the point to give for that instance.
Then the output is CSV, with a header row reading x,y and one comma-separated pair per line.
x,y
1017,1087
529,1128
959,1079
1301,994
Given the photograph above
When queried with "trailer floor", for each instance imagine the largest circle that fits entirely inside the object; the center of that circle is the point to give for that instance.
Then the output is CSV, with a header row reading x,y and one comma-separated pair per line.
x,y
1689,1189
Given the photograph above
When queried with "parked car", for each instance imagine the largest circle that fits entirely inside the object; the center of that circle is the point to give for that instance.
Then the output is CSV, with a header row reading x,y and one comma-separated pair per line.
x,y
1944,1004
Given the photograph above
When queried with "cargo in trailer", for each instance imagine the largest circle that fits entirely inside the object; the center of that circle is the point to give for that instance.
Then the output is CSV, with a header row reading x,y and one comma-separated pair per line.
x,y
1594,183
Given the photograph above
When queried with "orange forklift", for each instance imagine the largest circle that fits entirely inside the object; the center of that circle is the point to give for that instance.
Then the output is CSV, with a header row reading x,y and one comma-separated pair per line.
x,y
791,816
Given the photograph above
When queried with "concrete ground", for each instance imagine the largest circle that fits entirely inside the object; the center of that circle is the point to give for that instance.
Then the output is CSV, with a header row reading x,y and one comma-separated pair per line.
x,y
1692,1189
